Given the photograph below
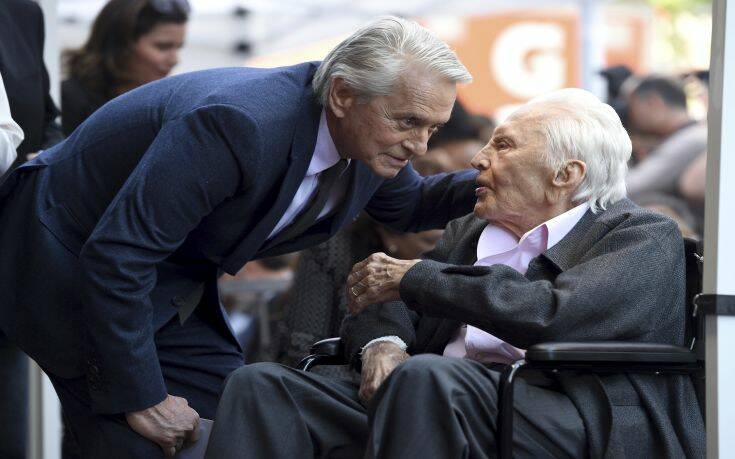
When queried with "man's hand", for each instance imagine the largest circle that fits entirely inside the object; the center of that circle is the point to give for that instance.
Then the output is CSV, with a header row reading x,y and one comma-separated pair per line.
x,y
170,424
378,361
376,279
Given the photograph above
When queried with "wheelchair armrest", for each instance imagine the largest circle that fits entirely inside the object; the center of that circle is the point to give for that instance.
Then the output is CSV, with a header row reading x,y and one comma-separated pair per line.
x,y
330,347
328,351
610,352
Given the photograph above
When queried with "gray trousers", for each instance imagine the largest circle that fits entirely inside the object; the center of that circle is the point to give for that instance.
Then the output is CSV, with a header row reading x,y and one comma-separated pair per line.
x,y
429,407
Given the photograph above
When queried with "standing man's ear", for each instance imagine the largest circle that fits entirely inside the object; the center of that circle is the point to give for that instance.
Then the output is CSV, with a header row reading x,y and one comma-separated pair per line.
x,y
341,97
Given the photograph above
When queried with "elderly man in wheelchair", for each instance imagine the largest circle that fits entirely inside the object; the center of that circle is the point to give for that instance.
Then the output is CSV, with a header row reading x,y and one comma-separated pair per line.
x,y
553,252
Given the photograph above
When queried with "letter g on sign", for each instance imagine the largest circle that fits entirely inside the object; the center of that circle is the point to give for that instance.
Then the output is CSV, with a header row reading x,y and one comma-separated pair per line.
x,y
527,59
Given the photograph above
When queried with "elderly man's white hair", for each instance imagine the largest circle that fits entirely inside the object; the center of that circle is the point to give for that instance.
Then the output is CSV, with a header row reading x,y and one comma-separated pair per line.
x,y
579,126
372,59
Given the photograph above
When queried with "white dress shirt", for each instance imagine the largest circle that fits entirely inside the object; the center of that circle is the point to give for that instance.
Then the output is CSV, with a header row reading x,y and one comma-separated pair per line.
x,y
325,156
497,245
11,135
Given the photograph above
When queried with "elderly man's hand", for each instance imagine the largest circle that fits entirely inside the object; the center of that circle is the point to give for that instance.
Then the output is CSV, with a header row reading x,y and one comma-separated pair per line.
x,y
376,279
378,361
171,424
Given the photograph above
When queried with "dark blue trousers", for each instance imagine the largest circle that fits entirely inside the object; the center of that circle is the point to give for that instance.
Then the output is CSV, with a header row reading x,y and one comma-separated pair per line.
x,y
195,360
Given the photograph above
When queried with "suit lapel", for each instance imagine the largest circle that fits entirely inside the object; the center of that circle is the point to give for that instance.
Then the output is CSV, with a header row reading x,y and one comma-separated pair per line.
x,y
354,200
578,241
351,205
301,151
359,189
466,253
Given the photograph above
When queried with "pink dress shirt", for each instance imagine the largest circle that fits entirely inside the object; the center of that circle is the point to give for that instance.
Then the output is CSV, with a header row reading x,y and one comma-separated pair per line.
x,y
499,246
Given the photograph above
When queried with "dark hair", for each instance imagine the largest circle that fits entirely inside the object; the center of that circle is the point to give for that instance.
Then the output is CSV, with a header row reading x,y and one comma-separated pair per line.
x,y
669,89
100,64
615,77
462,125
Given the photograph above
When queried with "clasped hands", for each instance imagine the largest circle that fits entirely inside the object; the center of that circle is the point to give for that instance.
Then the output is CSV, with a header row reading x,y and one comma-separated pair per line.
x,y
376,279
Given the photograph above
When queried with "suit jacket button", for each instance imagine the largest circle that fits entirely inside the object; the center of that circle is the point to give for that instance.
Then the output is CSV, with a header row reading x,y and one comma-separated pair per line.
x,y
178,301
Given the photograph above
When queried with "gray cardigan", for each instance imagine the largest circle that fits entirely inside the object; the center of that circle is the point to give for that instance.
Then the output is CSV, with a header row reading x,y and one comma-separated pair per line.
x,y
617,275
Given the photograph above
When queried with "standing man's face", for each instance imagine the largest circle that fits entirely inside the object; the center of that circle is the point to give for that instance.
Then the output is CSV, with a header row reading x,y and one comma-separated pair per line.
x,y
387,131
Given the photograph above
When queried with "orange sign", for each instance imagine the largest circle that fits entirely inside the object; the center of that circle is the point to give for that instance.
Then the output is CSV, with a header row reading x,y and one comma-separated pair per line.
x,y
514,56
627,31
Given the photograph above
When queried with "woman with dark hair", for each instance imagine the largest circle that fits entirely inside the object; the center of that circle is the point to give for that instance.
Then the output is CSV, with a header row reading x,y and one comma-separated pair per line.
x,y
133,42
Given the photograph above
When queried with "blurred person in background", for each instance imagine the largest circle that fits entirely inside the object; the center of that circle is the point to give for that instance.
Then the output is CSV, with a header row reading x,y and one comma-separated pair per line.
x,y
11,135
132,42
696,85
459,140
615,76
643,143
658,107
26,85
692,185
22,37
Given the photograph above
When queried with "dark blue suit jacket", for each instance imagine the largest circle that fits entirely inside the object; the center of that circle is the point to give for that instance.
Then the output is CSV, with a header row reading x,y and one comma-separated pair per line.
x,y
138,210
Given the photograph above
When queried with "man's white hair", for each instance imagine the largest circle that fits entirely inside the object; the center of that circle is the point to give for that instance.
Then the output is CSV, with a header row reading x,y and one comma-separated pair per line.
x,y
372,60
579,126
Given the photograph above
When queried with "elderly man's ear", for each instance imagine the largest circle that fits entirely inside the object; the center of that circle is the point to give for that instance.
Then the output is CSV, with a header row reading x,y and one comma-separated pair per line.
x,y
568,178
341,97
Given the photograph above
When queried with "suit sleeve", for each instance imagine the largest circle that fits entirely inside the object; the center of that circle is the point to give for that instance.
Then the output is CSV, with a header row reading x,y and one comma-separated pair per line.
x,y
188,169
624,288
413,203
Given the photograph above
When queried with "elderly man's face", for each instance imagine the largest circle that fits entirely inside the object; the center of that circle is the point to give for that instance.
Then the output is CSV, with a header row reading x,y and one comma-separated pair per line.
x,y
387,131
514,179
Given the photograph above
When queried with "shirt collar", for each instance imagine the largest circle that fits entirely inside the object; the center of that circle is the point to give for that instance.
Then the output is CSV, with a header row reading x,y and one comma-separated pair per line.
x,y
325,152
495,239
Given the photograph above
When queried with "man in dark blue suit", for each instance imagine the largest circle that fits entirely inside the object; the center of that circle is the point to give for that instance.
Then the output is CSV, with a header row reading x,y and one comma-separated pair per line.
x,y
113,240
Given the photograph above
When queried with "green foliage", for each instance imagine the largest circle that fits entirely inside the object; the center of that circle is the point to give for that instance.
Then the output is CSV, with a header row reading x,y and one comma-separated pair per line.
x,y
679,6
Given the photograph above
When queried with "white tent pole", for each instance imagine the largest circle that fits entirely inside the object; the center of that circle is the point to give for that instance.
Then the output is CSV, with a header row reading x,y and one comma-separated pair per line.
x,y
592,45
44,412
719,250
